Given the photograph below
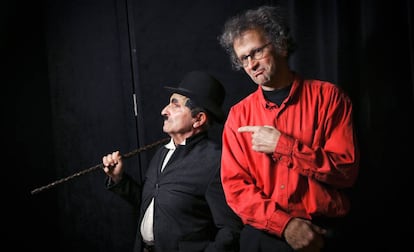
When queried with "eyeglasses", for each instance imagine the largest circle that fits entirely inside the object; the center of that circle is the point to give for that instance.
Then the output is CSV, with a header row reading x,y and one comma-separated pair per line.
x,y
255,54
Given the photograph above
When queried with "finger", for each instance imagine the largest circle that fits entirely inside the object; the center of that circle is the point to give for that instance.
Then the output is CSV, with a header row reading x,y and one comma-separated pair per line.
x,y
112,166
319,229
111,159
105,161
248,128
114,157
115,154
269,126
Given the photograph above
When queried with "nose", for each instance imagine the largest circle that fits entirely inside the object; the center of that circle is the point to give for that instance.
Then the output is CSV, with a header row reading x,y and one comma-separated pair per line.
x,y
164,110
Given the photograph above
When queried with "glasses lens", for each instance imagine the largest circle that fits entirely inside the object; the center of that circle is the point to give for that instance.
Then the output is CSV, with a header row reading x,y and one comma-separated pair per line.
x,y
255,54
258,53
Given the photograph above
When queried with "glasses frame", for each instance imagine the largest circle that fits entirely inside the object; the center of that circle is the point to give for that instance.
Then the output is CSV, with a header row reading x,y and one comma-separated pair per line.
x,y
255,54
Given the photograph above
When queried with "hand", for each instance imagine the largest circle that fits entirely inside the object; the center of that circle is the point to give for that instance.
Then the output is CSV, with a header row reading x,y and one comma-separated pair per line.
x,y
304,236
113,166
264,138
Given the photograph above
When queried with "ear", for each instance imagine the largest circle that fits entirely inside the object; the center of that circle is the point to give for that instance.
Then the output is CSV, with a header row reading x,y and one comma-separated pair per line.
x,y
200,120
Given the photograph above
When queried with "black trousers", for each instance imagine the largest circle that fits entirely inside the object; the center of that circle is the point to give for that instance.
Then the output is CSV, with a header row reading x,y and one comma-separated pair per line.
x,y
149,248
254,240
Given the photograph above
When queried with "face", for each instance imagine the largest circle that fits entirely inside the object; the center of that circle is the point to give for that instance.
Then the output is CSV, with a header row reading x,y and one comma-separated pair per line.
x,y
263,70
178,121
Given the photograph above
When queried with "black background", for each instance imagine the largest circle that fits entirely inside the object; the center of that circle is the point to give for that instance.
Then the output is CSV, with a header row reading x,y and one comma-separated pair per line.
x,y
71,68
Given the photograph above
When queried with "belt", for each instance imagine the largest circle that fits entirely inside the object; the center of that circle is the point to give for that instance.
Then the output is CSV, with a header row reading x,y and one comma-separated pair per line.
x,y
149,248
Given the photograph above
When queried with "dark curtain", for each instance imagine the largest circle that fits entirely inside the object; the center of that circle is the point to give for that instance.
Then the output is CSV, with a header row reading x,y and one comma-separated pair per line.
x,y
86,78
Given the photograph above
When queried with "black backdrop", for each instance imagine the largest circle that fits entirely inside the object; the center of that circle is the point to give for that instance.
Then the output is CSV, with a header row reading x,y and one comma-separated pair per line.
x,y
71,69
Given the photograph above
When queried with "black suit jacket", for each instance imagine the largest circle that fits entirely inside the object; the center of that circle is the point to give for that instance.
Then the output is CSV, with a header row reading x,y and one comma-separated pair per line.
x,y
190,210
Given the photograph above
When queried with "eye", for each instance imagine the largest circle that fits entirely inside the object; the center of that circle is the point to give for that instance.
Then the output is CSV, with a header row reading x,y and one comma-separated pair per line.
x,y
258,50
243,58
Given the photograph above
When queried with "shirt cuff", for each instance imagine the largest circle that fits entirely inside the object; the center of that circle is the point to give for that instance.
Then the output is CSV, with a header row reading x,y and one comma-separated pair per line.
x,y
277,223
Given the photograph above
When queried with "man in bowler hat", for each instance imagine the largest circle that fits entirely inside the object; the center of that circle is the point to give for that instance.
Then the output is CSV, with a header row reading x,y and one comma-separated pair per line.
x,y
180,199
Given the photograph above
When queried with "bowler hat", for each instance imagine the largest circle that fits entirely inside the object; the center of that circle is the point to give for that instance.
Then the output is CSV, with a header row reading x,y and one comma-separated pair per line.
x,y
205,90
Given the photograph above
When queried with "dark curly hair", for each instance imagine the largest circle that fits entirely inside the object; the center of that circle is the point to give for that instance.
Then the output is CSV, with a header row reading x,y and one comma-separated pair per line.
x,y
269,19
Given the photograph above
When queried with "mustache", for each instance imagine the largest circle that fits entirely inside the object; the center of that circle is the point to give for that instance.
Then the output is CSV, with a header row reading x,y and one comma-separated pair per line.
x,y
165,117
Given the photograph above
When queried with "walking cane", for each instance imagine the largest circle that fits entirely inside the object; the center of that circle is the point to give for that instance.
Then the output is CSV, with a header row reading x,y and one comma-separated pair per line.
x,y
93,168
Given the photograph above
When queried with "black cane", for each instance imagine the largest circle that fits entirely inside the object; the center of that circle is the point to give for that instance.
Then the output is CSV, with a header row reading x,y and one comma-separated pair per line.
x,y
101,166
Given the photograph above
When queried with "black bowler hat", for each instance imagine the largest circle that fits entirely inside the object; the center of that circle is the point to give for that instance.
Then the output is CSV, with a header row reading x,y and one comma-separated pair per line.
x,y
205,90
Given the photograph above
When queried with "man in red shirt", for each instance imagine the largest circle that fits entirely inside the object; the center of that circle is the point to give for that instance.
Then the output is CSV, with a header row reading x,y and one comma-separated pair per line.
x,y
289,148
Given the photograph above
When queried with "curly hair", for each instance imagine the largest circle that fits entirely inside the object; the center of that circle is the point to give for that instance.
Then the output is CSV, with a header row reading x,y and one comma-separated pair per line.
x,y
269,19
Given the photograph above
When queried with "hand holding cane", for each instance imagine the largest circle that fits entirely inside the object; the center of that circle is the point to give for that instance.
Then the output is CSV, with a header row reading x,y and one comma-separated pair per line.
x,y
96,167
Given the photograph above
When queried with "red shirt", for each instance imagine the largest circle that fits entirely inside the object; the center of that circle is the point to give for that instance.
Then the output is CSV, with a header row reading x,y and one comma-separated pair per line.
x,y
315,158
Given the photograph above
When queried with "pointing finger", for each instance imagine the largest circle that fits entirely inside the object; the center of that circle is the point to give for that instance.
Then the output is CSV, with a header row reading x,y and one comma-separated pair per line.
x,y
248,128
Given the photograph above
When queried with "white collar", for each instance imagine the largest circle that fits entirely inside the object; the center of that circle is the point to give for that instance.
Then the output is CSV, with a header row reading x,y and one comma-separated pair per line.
x,y
171,146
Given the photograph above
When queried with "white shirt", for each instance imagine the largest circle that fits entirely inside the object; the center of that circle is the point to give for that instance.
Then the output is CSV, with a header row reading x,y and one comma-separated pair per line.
x,y
147,224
